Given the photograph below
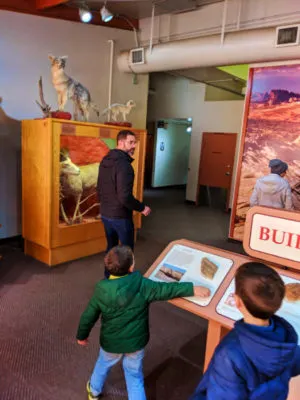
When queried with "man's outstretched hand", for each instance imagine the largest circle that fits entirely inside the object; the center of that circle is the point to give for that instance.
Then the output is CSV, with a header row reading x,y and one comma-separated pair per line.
x,y
147,211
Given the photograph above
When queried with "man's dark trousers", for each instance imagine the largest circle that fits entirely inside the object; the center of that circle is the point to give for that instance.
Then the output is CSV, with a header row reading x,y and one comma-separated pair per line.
x,y
118,229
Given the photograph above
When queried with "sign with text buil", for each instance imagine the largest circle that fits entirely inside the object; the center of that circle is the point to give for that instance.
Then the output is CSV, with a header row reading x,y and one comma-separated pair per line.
x,y
273,235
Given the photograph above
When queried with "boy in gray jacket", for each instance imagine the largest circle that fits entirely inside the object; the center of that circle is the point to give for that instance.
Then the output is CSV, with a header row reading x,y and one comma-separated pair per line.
x,y
273,190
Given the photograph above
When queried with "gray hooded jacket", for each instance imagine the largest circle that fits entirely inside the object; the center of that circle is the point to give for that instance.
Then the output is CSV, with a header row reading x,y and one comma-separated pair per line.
x,y
272,191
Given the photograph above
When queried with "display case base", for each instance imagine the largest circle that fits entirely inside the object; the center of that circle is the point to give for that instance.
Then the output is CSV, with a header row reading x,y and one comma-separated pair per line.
x,y
59,255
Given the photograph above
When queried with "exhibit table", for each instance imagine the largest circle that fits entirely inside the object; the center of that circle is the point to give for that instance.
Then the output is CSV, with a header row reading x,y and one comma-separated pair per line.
x,y
184,261
271,236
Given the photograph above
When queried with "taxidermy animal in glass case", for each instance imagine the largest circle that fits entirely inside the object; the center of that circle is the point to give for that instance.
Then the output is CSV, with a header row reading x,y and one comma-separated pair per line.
x,y
116,109
69,89
75,181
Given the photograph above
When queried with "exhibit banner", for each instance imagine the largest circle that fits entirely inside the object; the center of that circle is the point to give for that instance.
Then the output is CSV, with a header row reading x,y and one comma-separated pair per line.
x,y
273,235
80,157
270,130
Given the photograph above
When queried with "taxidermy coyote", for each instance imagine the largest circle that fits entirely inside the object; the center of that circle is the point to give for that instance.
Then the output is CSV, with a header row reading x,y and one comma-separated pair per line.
x,y
116,109
67,88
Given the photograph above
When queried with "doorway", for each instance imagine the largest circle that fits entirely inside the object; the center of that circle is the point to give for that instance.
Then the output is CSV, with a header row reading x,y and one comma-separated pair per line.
x,y
216,166
168,150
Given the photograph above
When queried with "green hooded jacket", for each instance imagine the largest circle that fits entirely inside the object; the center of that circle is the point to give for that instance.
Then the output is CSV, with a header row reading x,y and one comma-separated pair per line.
x,y
123,304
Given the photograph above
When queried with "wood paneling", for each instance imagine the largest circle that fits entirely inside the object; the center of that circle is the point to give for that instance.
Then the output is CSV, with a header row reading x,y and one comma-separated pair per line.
x,y
41,4
36,181
64,12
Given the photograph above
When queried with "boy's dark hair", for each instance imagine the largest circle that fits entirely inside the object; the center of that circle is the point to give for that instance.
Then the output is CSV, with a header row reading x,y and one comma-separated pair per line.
x,y
260,288
118,260
122,135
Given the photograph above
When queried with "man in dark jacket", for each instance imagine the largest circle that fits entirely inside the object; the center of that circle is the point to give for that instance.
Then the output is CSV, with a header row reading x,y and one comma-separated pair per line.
x,y
257,359
115,185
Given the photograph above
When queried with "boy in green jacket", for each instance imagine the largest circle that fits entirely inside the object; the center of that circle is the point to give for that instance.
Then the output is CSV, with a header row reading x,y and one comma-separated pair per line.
x,y
123,301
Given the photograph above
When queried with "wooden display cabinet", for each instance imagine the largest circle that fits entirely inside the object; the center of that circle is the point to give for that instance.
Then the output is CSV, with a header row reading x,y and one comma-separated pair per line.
x,y
46,237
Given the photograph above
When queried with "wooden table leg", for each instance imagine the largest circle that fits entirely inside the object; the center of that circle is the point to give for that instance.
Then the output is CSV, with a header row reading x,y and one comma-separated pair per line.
x,y
214,335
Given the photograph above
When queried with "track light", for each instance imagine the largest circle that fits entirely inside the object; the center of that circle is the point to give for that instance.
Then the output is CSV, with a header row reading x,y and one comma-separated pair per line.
x,y
85,14
106,15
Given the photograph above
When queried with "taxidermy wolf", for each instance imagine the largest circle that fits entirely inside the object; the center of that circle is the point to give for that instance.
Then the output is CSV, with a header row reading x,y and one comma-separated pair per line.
x,y
67,88
116,109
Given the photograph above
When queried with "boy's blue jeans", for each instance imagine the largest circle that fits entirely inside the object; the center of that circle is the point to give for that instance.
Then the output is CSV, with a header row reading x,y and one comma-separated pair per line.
x,y
133,371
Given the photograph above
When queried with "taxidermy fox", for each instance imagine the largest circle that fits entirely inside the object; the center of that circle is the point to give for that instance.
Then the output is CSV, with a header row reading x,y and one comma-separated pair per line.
x,y
67,88
117,109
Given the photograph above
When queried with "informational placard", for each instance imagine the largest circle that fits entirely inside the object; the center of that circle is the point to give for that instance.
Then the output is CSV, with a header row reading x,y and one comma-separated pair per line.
x,y
186,264
290,309
273,235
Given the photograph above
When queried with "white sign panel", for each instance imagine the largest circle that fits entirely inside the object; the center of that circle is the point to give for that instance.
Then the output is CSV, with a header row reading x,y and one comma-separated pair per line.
x,y
185,264
288,310
275,236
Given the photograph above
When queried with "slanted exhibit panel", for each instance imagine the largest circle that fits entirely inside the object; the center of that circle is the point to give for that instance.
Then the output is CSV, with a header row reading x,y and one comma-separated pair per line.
x,y
270,130
60,207
289,309
186,261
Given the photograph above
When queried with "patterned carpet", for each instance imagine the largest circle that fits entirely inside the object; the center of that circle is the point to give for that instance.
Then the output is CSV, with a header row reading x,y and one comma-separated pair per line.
x,y
40,309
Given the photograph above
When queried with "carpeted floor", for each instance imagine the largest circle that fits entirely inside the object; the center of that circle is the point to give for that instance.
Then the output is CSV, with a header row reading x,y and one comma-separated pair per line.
x,y
40,309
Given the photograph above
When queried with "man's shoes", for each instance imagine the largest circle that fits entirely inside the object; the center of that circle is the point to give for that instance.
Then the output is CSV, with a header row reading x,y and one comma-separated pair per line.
x,y
90,394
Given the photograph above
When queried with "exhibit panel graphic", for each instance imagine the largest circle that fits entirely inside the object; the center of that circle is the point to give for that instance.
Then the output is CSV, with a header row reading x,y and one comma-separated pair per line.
x,y
185,264
289,309
271,130
80,157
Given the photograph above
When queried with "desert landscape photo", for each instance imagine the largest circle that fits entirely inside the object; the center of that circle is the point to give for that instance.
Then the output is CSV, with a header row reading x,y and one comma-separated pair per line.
x,y
169,273
272,131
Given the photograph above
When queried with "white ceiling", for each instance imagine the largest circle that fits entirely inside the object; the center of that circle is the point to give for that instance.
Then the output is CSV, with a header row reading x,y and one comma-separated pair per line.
x,y
143,8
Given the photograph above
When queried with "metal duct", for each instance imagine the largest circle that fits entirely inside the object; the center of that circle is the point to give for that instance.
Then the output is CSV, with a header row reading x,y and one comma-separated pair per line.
x,y
240,47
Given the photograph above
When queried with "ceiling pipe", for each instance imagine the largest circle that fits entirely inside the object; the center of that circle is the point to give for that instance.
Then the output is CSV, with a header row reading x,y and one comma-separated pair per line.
x,y
238,22
152,27
252,46
224,21
110,82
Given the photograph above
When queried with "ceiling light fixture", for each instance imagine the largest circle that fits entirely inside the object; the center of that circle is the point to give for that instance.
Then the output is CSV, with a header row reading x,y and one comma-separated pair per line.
x,y
85,13
106,15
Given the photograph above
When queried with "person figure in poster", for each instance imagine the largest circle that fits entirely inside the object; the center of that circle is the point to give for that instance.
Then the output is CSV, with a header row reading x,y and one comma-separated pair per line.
x,y
273,190
115,185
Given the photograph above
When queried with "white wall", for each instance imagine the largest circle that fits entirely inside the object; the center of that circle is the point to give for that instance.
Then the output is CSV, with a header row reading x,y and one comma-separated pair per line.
x,y
25,42
180,98
170,165
207,20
